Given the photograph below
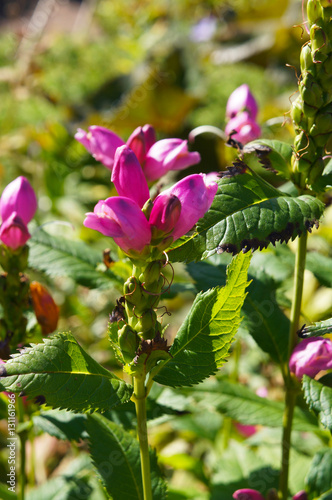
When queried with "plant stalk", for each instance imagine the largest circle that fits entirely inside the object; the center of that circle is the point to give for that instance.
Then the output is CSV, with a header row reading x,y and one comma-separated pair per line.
x,y
290,389
142,433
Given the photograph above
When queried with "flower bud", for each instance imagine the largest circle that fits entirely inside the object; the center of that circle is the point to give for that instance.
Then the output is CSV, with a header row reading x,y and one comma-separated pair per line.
x,y
101,143
128,177
165,212
13,232
247,494
314,11
146,323
18,197
311,94
301,495
46,310
123,220
241,100
245,128
311,356
168,154
141,141
128,343
307,64
196,193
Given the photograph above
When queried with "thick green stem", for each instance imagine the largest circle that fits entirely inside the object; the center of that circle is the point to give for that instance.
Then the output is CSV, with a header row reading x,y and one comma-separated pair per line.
x,y
142,433
291,390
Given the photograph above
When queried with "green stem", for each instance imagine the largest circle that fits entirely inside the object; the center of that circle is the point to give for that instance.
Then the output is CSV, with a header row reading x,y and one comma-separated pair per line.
x,y
142,433
22,437
291,390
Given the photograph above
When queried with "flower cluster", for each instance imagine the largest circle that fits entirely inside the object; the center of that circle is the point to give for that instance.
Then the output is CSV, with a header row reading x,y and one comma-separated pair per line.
x,y
241,111
18,205
155,157
311,356
134,221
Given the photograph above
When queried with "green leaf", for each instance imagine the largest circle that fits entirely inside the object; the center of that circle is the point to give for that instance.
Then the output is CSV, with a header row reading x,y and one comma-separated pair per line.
x,y
276,156
319,478
316,330
247,213
60,373
116,455
5,494
262,316
321,266
61,424
319,399
202,343
241,404
326,496
61,257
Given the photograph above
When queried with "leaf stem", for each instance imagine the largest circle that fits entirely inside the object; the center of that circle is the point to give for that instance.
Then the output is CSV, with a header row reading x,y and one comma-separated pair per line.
x,y
291,389
142,433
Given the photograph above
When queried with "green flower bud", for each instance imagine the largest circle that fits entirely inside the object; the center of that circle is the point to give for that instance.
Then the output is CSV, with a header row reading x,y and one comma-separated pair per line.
x,y
146,324
314,10
311,93
132,291
297,114
305,146
307,64
322,126
319,42
128,343
151,273
299,164
316,170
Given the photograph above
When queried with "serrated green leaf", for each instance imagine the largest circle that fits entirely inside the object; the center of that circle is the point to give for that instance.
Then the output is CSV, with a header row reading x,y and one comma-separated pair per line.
x,y
319,478
61,424
317,329
262,317
63,374
202,343
241,404
319,399
116,455
277,159
61,257
247,213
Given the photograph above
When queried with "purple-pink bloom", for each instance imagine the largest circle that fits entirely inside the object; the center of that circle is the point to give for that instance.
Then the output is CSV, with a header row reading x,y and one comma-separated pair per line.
x,y
165,213
168,154
101,143
245,128
301,495
19,197
241,100
195,193
141,141
311,356
14,232
128,177
121,219
247,494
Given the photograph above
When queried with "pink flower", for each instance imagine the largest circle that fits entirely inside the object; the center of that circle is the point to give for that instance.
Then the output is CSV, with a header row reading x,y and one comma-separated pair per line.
x,y
195,193
168,154
101,143
246,430
13,232
141,141
301,495
165,213
122,219
311,356
247,494
18,197
128,177
241,100
246,129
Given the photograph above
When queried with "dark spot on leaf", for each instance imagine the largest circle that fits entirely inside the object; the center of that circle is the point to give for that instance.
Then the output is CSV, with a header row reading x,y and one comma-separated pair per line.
x,y
21,394
40,400
302,332
18,384
3,371
227,247
262,153
238,167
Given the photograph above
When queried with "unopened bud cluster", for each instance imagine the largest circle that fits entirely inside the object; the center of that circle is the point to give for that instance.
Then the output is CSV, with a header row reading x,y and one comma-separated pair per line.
x,y
312,110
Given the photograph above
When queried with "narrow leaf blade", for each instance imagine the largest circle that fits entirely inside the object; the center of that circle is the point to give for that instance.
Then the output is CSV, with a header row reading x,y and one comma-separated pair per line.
x,y
116,455
60,373
202,343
